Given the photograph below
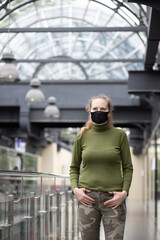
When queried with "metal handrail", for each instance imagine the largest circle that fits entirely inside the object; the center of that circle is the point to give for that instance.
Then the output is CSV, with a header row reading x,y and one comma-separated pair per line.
x,y
21,174
54,214
30,174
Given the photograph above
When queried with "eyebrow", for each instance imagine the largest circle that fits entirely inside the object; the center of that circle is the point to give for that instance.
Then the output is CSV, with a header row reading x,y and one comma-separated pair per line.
x,y
100,108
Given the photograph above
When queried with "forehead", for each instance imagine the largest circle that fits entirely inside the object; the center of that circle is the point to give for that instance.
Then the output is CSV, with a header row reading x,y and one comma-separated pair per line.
x,y
99,102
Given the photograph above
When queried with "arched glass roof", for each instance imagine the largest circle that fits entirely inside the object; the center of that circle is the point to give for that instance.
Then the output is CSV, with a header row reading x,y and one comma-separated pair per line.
x,y
71,50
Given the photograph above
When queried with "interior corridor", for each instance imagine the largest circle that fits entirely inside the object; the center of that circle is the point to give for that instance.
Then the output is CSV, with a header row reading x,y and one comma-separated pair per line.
x,y
138,224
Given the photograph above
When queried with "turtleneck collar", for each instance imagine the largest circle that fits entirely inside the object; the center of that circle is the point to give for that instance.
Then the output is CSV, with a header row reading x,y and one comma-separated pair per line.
x,y
99,127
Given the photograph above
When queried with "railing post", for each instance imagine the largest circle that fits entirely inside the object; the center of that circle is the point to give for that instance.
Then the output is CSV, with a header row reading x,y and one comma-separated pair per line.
x,y
66,214
42,217
1,237
58,215
23,222
77,221
32,215
10,216
2,219
47,215
54,216
51,216
76,218
38,226
73,217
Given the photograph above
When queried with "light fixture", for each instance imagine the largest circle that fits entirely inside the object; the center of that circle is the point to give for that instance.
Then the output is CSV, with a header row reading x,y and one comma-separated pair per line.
x,y
8,72
35,95
52,110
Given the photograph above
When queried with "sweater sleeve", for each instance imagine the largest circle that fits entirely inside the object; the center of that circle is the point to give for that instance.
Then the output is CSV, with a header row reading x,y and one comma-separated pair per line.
x,y
76,162
127,166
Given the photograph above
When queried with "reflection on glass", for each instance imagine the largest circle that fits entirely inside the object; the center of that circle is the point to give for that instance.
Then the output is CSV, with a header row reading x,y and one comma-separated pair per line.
x,y
44,208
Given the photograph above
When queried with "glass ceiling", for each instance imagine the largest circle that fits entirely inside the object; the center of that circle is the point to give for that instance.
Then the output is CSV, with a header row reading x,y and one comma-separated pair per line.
x,y
74,55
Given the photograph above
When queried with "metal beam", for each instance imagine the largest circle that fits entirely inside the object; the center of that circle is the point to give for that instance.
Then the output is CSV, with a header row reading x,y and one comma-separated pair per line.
x,y
72,117
17,117
151,3
123,116
136,140
151,51
153,32
71,99
74,29
9,117
144,82
152,39
64,59
73,94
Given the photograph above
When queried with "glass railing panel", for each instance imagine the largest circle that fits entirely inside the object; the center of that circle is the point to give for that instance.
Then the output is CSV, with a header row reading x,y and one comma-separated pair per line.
x,y
37,206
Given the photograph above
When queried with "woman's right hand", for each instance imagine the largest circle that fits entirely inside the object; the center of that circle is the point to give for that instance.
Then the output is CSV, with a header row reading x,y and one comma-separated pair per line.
x,y
82,197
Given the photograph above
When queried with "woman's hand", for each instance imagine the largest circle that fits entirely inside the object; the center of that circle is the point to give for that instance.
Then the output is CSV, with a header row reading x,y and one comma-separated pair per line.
x,y
82,197
116,200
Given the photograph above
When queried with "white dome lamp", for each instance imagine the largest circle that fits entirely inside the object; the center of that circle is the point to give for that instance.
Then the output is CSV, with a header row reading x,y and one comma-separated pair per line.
x,y
35,95
52,110
8,72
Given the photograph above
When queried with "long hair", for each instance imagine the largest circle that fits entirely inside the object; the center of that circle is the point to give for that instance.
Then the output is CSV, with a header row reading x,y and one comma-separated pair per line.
x,y
89,123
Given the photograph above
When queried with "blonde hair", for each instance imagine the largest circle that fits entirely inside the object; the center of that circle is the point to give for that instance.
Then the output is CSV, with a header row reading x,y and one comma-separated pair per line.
x,y
89,123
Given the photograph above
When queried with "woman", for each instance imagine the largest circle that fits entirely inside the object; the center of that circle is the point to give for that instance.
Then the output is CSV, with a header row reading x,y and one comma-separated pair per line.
x,y
106,175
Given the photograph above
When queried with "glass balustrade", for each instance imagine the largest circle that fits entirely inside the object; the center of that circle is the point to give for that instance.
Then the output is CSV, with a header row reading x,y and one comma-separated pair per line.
x,y
37,206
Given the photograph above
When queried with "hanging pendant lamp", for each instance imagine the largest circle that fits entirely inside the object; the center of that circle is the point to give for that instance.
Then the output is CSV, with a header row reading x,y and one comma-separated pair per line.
x,y
52,110
35,95
8,72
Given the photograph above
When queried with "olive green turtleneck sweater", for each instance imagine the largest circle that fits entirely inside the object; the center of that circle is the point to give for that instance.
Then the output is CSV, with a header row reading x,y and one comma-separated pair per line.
x,y
105,157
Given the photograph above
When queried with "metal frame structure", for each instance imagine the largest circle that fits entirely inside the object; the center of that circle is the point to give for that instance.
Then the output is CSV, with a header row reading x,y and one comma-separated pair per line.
x,y
20,119
152,53
134,93
77,29
84,26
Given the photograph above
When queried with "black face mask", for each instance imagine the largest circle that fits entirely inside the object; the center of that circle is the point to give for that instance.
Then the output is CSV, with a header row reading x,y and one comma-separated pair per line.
x,y
99,117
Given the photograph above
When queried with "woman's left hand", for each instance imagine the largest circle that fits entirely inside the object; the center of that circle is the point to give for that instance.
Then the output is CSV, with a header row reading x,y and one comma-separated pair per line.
x,y
116,200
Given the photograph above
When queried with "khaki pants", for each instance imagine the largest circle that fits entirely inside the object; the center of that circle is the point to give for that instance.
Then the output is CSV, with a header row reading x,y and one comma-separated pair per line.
x,y
90,218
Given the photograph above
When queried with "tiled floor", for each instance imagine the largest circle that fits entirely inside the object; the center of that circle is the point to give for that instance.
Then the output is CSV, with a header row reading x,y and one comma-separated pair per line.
x,y
138,225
